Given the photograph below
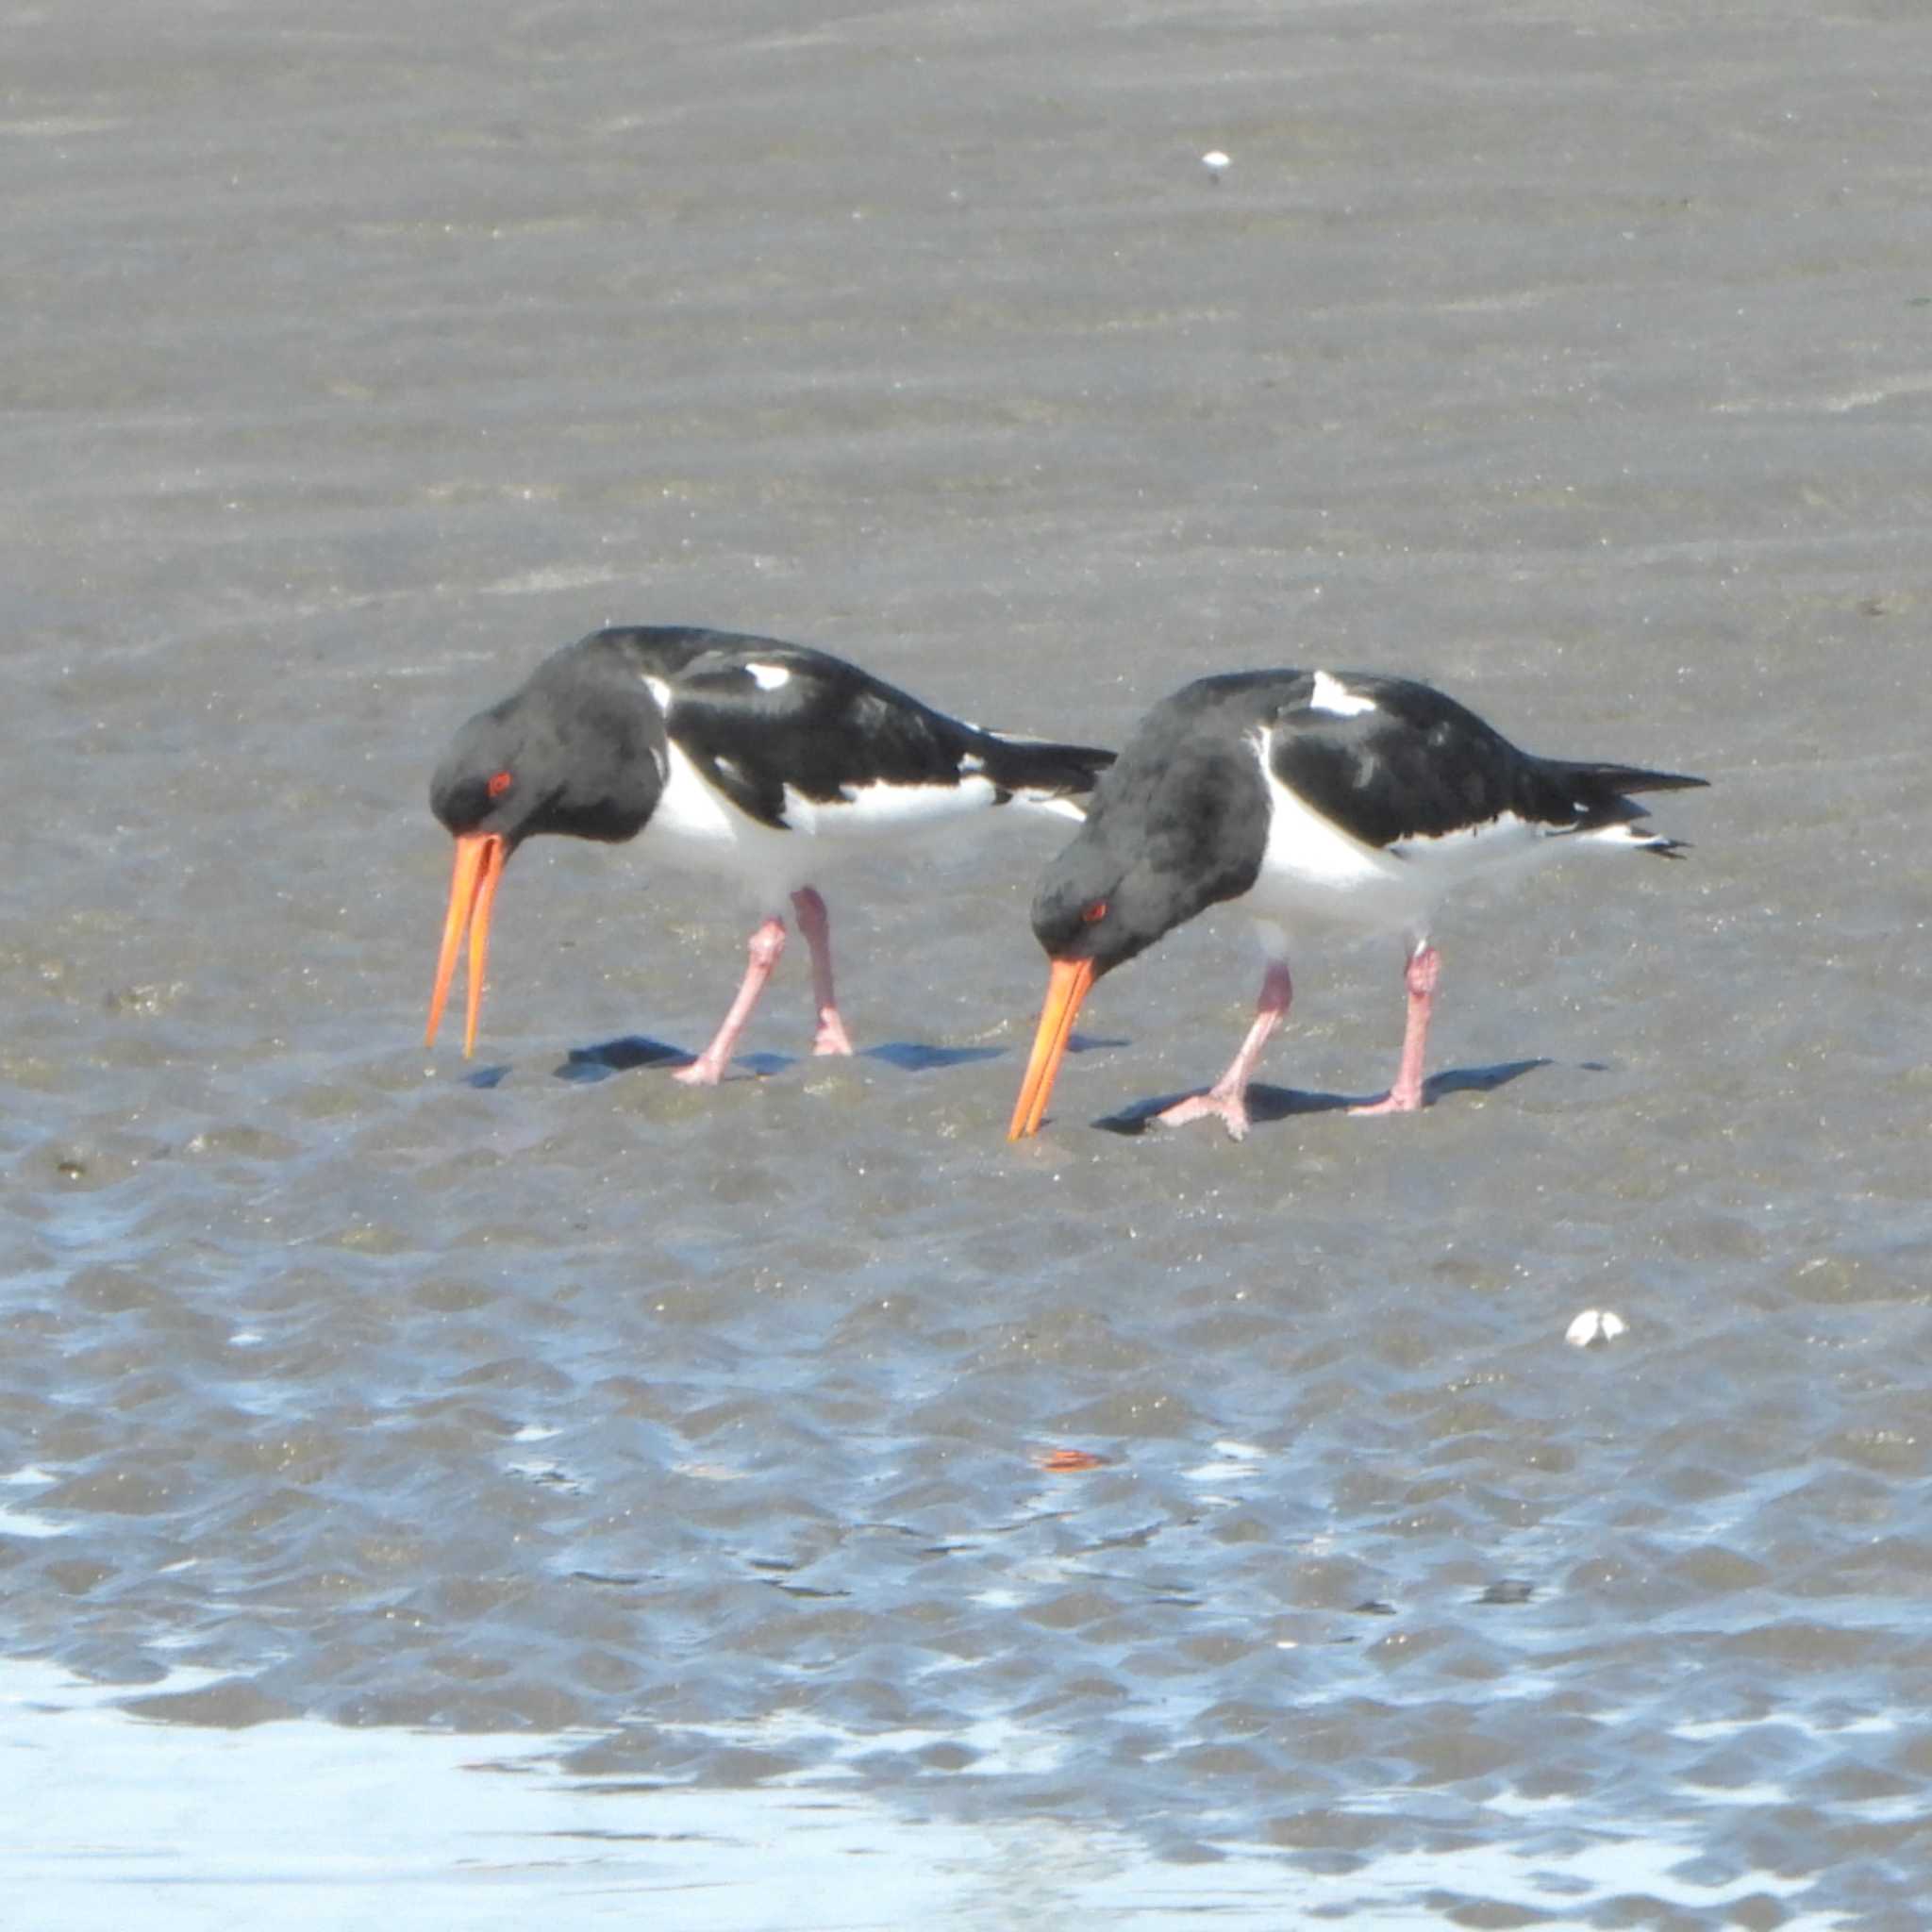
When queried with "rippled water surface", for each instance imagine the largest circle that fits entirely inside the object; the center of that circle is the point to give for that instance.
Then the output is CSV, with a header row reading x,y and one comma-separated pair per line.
x,y
690,1491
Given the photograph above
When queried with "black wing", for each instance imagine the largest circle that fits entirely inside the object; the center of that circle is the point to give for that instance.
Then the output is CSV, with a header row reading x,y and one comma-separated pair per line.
x,y
1414,763
757,716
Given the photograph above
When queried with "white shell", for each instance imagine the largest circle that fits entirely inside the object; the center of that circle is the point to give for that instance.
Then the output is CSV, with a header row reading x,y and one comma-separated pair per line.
x,y
1594,1326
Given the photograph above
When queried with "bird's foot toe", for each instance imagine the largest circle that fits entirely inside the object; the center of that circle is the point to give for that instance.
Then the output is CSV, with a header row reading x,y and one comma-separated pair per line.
x,y
1226,1109
1390,1102
831,1036
701,1072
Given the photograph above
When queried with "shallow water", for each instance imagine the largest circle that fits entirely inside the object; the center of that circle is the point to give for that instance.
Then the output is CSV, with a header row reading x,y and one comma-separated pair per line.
x,y
708,1441
303,1823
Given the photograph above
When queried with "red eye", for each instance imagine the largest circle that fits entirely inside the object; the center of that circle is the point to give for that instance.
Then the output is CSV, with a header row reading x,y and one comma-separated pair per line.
x,y
1094,913
500,783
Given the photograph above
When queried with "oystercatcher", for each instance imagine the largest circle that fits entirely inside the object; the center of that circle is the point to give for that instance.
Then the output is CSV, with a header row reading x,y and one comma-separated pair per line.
x,y
761,763
1313,799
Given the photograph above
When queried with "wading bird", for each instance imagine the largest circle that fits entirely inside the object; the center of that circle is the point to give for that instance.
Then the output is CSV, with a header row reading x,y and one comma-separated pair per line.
x,y
1315,801
761,764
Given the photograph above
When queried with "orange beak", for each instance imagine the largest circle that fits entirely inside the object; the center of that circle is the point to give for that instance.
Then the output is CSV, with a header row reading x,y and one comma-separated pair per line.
x,y
1068,986
480,858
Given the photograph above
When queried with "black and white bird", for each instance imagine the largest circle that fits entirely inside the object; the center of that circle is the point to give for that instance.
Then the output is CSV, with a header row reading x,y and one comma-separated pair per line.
x,y
1319,802
764,765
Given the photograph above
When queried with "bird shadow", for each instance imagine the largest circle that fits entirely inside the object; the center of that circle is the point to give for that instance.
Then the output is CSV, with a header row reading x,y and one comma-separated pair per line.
x,y
1266,1103
586,1065
913,1057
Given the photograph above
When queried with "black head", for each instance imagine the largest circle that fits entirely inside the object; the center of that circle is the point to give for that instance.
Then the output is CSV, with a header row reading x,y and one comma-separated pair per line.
x,y
1087,909
1179,823
1164,839
579,750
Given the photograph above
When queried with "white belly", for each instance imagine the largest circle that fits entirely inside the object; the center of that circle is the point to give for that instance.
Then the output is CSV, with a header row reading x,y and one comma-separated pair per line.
x,y
1315,878
697,829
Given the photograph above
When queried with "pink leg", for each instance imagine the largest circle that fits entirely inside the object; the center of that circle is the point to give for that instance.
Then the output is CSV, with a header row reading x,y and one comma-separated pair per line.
x,y
1406,1096
831,1036
767,942
1226,1099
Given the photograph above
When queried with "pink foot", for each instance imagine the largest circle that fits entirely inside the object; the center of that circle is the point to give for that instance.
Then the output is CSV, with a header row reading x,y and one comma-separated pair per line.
x,y
831,1036
1419,979
1390,1102
815,923
1227,1100
767,944
1229,1108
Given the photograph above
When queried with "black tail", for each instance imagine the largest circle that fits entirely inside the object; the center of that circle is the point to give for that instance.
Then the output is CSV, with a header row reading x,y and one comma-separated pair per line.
x,y
1600,793
1040,772
1612,781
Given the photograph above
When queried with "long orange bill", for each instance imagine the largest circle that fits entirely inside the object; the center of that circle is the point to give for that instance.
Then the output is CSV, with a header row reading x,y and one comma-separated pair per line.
x,y
472,888
1068,986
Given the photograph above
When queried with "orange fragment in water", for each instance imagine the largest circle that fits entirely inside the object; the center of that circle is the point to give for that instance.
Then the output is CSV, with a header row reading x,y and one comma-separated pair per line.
x,y
1068,1461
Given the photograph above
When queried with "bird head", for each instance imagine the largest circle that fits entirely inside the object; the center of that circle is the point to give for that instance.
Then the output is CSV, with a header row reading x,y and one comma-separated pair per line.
x,y
580,750
1165,837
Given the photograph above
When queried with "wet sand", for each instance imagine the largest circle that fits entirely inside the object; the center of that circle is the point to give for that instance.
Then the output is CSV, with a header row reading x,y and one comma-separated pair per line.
x,y
1581,366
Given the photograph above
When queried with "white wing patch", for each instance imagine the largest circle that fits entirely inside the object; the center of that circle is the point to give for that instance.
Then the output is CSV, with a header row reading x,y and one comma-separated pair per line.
x,y
884,807
659,689
1331,695
1640,838
769,677
1472,849
1060,808
697,827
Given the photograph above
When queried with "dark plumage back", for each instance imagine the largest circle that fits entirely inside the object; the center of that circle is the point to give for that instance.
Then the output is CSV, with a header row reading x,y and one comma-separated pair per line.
x,y
1412,762
824,724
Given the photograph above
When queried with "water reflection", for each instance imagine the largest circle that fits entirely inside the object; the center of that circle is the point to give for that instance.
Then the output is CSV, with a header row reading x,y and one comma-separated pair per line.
x,y
302,1824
